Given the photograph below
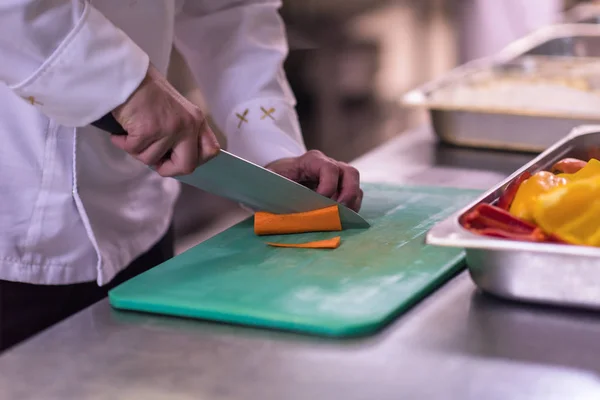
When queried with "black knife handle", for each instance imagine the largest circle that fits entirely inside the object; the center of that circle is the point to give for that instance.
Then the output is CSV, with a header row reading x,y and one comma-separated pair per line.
x,y
109,124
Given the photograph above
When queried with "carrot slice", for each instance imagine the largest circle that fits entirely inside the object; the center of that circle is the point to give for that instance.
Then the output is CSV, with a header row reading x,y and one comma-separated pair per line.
x,y
332,243
322,220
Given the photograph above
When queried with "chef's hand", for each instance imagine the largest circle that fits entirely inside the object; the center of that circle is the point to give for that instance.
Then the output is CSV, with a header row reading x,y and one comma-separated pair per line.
x,y
164,129
328,177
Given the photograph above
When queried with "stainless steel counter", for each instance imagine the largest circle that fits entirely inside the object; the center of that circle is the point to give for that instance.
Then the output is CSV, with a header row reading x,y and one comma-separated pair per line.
x,y
456,344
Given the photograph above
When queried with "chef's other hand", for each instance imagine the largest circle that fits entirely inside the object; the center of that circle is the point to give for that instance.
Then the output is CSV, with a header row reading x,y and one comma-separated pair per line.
x,y
164,129
328,177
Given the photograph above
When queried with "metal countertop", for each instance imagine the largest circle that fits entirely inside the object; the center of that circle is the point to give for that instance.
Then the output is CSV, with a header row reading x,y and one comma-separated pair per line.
x,y
456,344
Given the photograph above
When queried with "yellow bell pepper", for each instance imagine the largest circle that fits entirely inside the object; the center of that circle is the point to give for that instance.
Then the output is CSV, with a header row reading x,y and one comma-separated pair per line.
x,y
591,169
526,197
571,211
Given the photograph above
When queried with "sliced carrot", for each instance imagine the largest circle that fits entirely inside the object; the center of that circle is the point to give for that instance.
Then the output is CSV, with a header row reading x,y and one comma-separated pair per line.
x,y
322,220
332,243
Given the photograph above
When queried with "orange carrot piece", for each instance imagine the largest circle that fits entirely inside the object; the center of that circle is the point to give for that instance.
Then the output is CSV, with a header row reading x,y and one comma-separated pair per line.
x,y
322,220
332,243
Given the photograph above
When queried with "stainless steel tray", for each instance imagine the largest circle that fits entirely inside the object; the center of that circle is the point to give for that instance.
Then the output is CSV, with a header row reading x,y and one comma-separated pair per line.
x,y
509,129
565,275
585,13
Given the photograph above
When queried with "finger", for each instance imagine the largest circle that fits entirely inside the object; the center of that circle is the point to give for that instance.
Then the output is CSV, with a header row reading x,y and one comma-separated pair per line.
x,y
147,155
133,144
357,201
349,184
208,145
183,159
156,152
328,176
139,137
316,167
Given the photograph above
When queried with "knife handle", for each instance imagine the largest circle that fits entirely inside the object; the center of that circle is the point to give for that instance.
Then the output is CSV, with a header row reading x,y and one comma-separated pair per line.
x,y
109,124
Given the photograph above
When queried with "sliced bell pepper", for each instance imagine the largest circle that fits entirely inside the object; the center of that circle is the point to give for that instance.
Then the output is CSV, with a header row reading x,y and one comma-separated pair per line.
x,y
589,170
487,216
489,220
545,207
568,166
537,235
506,199
571,212
524,201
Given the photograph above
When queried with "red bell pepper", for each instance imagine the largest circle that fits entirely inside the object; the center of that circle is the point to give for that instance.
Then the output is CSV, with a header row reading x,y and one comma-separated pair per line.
x,y
509,194
489,220
489,216
568,165
535,236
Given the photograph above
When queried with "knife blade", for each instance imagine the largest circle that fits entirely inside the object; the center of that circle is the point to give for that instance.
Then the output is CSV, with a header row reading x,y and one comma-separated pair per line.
x,y
258,188
232,177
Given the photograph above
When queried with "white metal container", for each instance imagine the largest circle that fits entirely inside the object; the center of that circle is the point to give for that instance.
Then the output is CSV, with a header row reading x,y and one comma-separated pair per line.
x,y
508,127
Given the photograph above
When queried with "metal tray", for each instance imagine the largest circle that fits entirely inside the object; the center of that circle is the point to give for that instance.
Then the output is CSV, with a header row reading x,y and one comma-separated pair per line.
x,y
509,129
585,13
565,275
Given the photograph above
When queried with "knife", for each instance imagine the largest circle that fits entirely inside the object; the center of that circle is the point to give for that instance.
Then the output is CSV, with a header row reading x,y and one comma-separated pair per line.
x,y
256,187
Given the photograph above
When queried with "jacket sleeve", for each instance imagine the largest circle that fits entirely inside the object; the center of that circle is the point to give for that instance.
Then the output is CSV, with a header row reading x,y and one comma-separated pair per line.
x,y
236,51
66,58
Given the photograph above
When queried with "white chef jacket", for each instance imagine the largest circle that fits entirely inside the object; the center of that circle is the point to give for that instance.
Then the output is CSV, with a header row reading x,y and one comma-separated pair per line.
x,y
74,207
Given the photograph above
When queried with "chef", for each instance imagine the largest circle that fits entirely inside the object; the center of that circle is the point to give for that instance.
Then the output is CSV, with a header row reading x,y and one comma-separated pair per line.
x,y
80,210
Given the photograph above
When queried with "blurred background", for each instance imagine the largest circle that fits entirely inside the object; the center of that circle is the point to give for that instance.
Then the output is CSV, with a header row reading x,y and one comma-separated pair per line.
x,y
350,61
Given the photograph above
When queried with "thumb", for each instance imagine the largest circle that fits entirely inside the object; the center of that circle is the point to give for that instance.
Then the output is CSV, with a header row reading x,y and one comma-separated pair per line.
x,y
209,147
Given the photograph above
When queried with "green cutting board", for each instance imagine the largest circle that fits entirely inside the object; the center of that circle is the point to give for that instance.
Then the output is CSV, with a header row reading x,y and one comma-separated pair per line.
x,y
353,290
